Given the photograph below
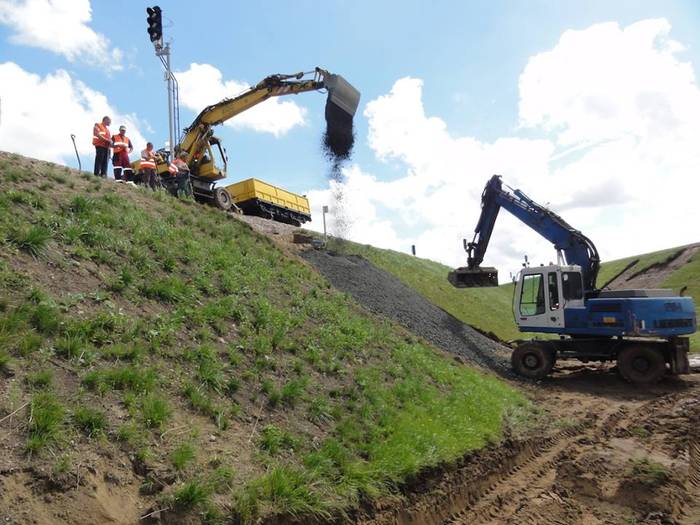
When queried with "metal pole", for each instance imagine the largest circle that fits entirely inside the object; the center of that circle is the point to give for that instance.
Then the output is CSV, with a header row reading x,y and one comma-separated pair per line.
x,y
169,78
80,167
325,210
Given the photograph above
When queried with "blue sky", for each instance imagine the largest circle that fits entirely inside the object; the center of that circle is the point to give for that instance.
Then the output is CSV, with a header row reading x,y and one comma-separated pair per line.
x,y
468,55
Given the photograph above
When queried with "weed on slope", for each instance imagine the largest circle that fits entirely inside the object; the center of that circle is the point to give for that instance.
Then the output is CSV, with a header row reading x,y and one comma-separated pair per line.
x,y
164,342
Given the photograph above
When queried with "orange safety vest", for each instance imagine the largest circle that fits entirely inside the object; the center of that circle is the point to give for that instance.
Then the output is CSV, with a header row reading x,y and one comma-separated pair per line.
x,y
172,168
149,162
101,136
120,143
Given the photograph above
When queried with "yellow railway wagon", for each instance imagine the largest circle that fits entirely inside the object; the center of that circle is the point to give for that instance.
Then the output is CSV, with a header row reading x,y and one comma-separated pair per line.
x,y
257,197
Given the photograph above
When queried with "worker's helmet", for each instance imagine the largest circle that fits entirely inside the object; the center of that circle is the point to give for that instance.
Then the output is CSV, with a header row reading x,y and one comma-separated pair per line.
x,y
122,128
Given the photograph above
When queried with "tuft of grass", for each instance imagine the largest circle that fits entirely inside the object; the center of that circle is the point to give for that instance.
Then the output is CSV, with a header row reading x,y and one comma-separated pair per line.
x,y
41,379
5,360
274,439
201,402
192,494
32,240
293,391
274,396
46,416
69,347
287,492
129,378
46,319
90,420
182,456
648,472
155,411
130,434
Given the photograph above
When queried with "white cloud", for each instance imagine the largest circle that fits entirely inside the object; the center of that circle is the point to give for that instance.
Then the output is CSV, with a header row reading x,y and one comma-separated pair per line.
x,y
619,115
202,85
62,27
39,115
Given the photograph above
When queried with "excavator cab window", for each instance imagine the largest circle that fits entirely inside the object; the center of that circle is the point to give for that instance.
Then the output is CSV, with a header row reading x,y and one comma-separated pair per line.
x,y
553,289
572,285
532,295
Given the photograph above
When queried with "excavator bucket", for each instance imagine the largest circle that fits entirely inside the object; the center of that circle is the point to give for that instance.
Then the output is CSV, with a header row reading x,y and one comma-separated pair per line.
x,y
473,277
341,105
342,94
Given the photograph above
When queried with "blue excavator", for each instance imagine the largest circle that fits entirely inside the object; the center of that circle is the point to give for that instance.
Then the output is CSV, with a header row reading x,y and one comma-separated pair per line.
x,y
645,331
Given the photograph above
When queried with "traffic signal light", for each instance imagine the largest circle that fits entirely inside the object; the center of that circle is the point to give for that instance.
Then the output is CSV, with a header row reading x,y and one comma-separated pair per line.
x,y
155,24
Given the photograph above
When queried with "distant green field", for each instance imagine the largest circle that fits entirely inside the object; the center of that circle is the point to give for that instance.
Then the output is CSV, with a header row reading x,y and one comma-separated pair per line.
x,y
489,309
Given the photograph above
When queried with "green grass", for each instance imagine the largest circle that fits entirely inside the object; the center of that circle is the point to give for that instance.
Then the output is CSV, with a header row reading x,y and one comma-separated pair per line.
x,y
274,439
32,240
130,378
155,411
41,379
191,495
648,472
90,420
179,311
182,456
46,417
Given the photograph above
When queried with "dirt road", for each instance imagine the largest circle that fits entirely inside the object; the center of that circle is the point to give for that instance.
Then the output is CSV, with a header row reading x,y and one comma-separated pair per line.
x,y
615,454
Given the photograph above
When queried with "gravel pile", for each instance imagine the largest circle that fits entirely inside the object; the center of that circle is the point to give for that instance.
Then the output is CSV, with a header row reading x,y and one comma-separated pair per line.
x,y
384,294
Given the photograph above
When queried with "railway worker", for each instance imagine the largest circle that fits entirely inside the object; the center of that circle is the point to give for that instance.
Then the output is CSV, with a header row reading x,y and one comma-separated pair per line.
x,y
182,177
148,166
102,140
121,147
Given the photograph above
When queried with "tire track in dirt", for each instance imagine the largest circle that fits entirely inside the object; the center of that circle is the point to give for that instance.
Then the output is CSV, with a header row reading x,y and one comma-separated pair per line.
x,y
535,477
583,475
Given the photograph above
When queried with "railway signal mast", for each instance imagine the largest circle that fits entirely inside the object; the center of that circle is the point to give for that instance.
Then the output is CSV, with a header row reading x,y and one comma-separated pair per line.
x,y
155,33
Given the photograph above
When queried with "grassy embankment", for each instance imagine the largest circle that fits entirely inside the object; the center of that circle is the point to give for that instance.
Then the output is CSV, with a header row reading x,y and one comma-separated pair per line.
x,y
490,309
162,333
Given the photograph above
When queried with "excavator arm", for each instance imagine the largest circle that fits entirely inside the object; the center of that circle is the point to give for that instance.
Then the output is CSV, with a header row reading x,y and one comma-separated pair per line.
x,y
196,137
576,248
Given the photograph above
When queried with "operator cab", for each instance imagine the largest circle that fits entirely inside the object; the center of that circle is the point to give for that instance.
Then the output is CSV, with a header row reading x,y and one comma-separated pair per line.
x,y
541,295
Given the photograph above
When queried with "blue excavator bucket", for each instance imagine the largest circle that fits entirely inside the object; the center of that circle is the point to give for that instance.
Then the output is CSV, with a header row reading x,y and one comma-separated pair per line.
x,y
476,277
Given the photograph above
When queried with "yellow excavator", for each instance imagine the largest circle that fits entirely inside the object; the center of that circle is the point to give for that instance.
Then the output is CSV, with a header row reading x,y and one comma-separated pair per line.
x,y
204,147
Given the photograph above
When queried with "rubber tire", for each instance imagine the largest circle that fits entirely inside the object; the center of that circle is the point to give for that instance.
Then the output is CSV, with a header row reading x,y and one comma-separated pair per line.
x,y
222,199
631,358
533,360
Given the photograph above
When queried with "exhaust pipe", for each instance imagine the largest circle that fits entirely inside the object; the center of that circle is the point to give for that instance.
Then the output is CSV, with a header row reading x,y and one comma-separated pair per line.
x,y
476,277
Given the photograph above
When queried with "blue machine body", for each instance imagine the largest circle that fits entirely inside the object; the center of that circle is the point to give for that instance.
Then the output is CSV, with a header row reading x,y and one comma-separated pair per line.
x,y
661,317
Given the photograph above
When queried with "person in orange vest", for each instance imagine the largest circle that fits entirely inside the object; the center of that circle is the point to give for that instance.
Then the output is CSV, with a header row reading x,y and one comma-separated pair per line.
x,y
102,140
182,176
121,147
148,166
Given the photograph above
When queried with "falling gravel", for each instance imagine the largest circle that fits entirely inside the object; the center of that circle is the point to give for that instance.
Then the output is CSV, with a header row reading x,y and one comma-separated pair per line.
x,y
384,294
338,141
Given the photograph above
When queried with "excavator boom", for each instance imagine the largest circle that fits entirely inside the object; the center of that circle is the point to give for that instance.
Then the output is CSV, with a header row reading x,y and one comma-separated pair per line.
x,y
341,94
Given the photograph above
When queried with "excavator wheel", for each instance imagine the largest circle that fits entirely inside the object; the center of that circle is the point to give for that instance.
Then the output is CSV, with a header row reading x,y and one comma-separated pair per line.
x,y
641,364
533,359
222,199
